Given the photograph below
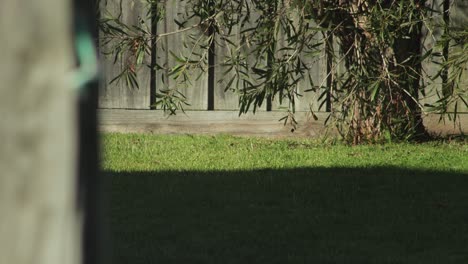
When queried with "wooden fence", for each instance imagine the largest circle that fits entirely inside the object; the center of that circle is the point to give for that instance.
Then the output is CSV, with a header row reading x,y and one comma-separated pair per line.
x,y
207,92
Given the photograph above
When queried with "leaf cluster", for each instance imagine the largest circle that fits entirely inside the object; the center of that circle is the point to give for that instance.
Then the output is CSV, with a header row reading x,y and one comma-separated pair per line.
x,y
271,45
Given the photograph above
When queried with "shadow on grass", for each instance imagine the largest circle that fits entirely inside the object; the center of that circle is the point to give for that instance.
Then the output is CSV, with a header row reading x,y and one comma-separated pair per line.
x,y
304,215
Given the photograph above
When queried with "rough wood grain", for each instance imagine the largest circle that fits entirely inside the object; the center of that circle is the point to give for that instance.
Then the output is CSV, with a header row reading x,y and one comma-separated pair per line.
x,y
38,218
118,94
316,71
213,122
458,17
431,67
229,100
225,99
180,44
459,13
263,124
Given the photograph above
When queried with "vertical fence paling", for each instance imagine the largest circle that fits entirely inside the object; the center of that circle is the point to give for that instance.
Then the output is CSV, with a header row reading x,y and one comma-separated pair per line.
x,y
229,99
309,92
117,94
153,82
429,69
224,99
206,91
459,18
196,90
455,14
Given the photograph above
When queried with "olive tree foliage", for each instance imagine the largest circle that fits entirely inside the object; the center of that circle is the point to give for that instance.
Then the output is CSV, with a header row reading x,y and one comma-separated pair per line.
x,y
271,43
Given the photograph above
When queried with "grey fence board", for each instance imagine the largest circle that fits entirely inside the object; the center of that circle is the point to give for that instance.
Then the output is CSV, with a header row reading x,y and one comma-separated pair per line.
x,y
229,100
228,122
316,70
458,18
197,90
210,122
460,13
118,94
430,69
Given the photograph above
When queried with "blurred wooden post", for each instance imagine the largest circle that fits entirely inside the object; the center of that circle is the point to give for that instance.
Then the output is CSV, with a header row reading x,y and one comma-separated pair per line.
x,y
39,220
89,182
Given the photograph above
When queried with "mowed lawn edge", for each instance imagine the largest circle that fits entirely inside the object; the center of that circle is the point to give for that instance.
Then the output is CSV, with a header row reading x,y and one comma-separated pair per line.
x,y
222,199
146,152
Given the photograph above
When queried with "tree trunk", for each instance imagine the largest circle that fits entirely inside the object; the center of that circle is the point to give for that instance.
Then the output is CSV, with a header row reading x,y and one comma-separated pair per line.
x,y
39,220
382,58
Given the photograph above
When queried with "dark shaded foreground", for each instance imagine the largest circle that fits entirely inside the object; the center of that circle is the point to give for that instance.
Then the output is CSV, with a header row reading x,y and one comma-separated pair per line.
x,y
304,215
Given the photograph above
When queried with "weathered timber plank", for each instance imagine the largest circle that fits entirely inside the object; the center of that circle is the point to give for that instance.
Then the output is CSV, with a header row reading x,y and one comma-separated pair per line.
x,y
316,74
229,100
225,99
118,94
183,44
459,13
338,73
430,68
459,18
39,220
212,122
229,122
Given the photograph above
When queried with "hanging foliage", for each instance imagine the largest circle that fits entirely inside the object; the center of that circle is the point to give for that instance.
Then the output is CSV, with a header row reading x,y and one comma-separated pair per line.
x,y
377,97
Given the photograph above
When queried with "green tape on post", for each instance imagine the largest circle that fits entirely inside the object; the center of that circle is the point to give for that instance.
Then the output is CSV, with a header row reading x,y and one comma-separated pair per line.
x,y
87,59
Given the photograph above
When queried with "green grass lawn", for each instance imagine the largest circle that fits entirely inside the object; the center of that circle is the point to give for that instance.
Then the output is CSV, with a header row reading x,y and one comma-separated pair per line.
x,y
204,199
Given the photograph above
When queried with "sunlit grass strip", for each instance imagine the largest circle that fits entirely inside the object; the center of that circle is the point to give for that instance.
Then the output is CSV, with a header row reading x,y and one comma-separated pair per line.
x,y
144,152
